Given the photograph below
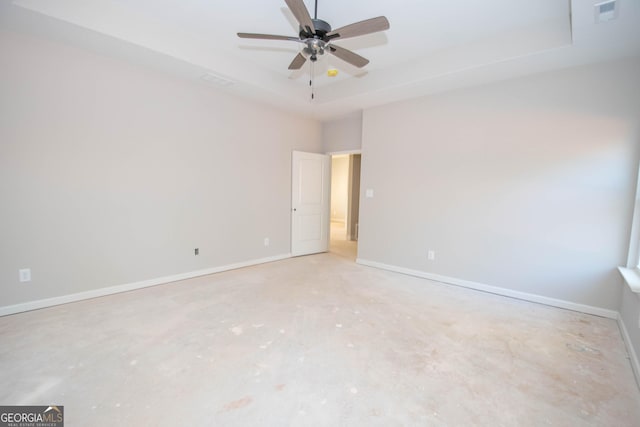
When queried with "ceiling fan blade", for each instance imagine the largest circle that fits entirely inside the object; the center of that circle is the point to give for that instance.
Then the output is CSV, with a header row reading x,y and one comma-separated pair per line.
x,y
348,56
361,28
301,13
297,62
266,37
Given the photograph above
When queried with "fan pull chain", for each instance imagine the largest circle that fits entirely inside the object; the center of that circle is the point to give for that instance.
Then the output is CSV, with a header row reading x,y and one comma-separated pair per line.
x,y
311,80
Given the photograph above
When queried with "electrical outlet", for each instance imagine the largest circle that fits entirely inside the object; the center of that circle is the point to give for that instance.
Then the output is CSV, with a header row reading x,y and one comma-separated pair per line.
x,y
196,251
266,241
431,255
24,274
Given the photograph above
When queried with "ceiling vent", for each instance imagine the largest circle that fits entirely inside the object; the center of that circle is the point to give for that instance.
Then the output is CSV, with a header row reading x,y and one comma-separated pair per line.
x,y
217,80
606,10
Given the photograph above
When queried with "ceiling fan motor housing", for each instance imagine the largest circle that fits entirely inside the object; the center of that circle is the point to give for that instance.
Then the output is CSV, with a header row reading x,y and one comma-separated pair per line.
x,y
322,28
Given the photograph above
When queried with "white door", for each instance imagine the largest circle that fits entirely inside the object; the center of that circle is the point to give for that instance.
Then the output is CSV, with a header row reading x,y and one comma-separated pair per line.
x,y
311,179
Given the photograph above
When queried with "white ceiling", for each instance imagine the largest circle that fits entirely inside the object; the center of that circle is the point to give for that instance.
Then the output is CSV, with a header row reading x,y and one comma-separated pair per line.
x,y
431,46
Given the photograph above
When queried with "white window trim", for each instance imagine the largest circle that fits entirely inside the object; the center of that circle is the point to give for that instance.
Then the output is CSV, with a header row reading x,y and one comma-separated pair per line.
x,y
632,277
631,273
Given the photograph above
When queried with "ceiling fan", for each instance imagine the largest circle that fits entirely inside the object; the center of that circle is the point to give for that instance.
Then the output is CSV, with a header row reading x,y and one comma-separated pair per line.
x,y
317,36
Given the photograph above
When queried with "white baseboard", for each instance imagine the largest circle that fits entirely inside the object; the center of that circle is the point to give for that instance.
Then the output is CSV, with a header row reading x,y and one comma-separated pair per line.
x,y
64,299
633,356
602,312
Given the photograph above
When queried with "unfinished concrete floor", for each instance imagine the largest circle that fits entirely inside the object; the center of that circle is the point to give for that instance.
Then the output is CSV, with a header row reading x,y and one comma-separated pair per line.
x,y
317,341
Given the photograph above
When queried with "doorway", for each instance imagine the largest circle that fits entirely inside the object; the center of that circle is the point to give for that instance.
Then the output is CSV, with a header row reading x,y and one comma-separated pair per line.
x,y
345,204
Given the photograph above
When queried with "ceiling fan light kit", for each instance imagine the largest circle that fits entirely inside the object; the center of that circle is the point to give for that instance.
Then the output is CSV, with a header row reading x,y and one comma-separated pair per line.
x,y
318,36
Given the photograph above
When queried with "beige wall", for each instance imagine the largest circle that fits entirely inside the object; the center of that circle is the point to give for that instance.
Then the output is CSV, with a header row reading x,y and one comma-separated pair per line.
x,y
526,185
112,174
343,134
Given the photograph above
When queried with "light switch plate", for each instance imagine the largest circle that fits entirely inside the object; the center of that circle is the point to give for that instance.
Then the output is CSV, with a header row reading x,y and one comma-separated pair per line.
x,y
369,193
24,274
